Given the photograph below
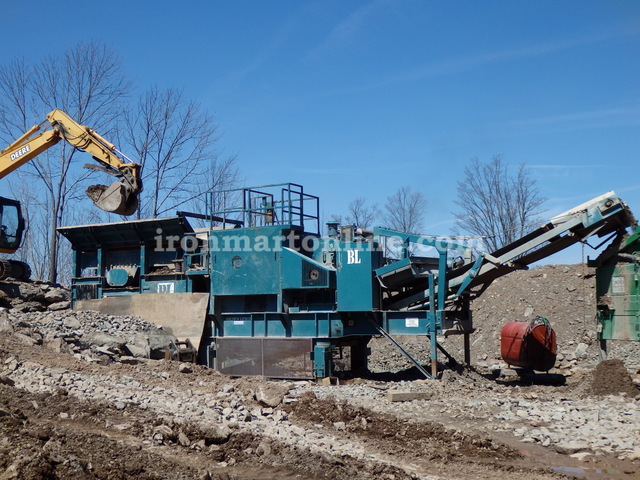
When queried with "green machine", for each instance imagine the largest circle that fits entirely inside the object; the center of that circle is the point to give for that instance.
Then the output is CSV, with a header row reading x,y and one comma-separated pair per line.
x,y
618,289
259,290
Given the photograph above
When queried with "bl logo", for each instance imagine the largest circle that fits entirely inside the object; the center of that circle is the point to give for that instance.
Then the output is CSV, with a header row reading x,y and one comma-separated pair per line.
x,y
353,256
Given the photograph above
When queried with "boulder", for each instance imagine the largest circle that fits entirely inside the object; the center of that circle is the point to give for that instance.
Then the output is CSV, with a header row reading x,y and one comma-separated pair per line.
x,y
57,306
56,294
185,368
271,395
102,339
581,350
158,342
31,292
5,323
216,434
71,321
136,350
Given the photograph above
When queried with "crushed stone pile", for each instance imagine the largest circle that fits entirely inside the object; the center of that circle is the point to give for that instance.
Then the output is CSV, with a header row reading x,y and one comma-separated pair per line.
x,y
38,313
33,296
89,335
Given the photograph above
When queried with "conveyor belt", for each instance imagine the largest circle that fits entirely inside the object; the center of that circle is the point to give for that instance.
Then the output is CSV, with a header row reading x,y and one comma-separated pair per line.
x,y
604,215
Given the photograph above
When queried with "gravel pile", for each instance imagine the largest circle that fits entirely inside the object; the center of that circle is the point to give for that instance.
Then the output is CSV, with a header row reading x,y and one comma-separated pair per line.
x,y
89,335
33,296
232,409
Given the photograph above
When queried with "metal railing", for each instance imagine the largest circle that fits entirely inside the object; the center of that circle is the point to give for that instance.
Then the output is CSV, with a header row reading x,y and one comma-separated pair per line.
x,y
277,204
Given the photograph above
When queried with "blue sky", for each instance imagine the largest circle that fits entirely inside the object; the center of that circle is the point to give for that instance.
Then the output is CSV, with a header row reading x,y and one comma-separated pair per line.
x,y
359,98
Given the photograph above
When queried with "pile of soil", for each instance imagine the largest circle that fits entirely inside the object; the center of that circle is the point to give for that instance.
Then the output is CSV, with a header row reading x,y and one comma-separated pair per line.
x,y
611,377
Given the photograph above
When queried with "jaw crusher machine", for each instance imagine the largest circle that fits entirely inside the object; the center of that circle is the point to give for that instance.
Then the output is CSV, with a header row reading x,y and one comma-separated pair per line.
x,y
259,291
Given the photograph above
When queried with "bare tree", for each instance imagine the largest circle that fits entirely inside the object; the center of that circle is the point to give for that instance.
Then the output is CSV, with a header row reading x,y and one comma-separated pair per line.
x,y
16,102
87,83
495,204
35,245
216,187
335,218
404,210
173,140
361,214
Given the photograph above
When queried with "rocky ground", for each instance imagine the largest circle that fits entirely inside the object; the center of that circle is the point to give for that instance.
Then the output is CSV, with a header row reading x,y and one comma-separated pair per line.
x,y
81,399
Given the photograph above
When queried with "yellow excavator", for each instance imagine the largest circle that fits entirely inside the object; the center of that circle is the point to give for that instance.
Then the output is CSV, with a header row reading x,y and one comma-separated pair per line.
x,y
121,197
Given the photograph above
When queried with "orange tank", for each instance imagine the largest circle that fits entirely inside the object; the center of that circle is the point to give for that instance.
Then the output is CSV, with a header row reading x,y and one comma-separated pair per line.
x,y
529,345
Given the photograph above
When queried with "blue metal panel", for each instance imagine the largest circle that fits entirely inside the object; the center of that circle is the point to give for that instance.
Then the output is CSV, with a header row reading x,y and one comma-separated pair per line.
x,y
298,271
118,292
246,261
322,366
357,290
310,324
300,325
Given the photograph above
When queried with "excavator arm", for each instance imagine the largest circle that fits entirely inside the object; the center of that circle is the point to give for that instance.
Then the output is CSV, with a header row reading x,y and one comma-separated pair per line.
x,y
121,197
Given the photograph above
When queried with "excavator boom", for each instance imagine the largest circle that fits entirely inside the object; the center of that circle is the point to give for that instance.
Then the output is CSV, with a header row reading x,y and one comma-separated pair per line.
x,y
121,197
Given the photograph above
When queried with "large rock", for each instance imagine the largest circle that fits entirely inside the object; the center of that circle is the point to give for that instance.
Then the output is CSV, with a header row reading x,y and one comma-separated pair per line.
x,y
33,296
31,292
581,350
271,395
216,434
57,344
151,343
102,339
165,431
56,294
5,323
57,306
71,321
159,340
138,351
25,339
30,306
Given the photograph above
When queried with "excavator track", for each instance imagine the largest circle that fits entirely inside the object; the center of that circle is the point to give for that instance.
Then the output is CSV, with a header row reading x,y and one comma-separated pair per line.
x,y
20,270
14,269
5,269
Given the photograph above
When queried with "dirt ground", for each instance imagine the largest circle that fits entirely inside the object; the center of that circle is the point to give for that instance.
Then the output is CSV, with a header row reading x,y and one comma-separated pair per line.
x,y
63,417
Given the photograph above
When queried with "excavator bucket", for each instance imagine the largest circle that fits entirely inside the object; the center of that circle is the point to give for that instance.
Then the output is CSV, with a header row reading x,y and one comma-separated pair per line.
x,y
117,198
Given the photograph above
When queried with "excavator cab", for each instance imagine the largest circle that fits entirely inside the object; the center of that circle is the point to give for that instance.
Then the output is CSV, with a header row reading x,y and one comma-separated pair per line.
x,y
11,229
11,225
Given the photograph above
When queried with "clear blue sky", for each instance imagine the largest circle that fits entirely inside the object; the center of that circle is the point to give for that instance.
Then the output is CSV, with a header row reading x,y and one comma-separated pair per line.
x,y
358,98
